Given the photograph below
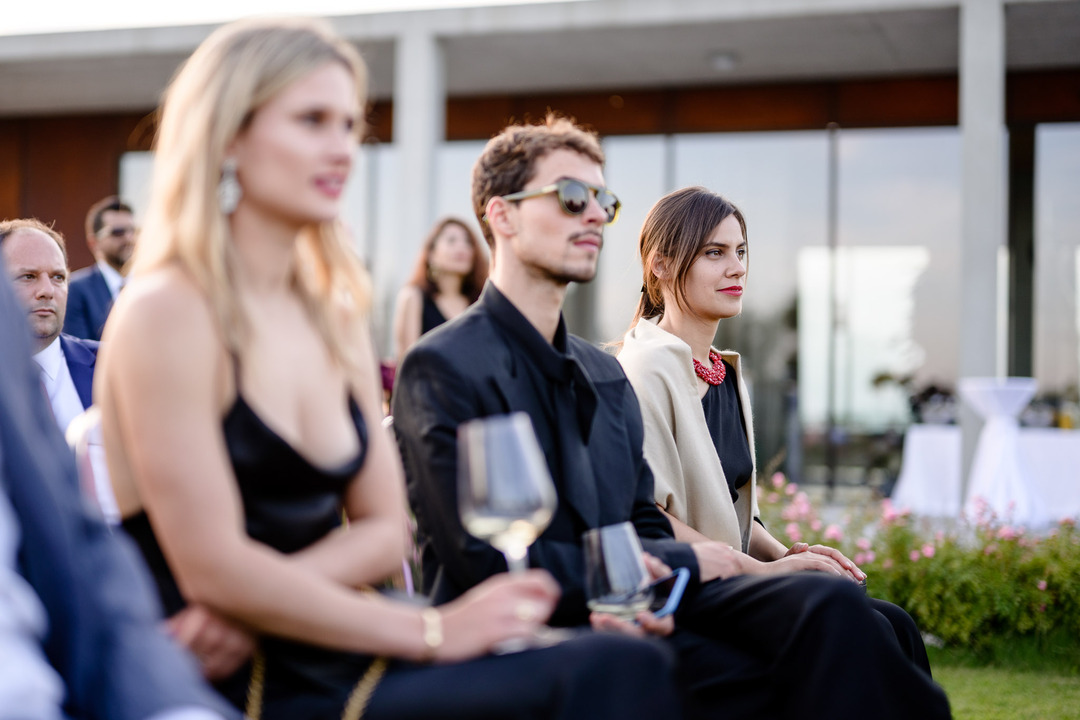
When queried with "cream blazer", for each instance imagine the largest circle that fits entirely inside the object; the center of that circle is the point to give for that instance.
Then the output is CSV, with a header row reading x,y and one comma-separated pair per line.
x,y
690,482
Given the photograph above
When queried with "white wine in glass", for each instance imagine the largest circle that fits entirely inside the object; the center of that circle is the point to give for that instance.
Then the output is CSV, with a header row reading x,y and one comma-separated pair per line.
x,y
616,579
505,493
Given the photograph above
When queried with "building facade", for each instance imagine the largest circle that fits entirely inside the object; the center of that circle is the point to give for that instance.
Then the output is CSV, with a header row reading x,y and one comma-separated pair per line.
x,y
908,169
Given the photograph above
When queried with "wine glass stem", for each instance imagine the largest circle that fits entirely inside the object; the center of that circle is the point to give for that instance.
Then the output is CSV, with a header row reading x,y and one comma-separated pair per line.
x,y
517,560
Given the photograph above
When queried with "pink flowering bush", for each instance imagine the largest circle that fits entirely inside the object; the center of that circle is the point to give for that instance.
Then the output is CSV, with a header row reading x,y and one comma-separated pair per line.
x,y
981,581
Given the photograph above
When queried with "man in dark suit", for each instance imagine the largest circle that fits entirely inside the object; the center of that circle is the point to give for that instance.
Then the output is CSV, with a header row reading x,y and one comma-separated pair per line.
x,y
36,256
102,656
110,235
37,260
792,645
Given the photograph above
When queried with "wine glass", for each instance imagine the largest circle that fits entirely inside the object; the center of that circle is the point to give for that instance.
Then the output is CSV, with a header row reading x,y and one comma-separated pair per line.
x,y
616,579
505,493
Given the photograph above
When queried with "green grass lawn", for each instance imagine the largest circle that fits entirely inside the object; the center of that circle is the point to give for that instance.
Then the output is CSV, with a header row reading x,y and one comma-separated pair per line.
x,y
991,693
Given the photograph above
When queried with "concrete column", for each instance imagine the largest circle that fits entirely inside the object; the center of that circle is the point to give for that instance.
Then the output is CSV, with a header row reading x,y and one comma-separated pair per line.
x,y
419,127
983,198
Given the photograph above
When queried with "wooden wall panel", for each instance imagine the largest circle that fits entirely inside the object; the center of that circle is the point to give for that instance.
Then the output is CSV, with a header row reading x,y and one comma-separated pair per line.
x,y
10,169
728,108
746,108
380,122
71,163
898,103
1035,97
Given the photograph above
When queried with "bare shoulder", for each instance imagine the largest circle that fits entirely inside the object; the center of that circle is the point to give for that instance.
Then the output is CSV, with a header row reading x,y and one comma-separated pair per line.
x,y
162,318
164,302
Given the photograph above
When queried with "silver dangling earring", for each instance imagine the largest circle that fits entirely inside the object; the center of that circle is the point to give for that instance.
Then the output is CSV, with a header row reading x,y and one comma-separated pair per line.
x,y
228,189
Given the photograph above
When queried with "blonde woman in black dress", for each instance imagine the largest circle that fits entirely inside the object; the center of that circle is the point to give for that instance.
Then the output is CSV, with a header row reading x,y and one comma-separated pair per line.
x,y
240,409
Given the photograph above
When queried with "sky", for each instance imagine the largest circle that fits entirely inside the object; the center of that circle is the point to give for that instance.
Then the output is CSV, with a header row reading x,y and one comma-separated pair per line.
x,y
44,16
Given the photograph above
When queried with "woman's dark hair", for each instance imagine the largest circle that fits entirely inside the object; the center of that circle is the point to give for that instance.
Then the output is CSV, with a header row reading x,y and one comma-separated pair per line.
x,y
674,231
472,283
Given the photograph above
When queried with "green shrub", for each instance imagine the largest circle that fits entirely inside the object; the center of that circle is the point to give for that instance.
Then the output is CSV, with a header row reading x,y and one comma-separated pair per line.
x,y
978,583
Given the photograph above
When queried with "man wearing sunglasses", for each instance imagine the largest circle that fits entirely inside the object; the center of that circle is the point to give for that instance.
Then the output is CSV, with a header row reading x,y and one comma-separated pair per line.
x,y
110,235
750,646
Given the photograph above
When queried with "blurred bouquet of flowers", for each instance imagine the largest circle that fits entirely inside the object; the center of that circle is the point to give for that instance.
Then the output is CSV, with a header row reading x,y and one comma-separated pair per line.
x,y
979,580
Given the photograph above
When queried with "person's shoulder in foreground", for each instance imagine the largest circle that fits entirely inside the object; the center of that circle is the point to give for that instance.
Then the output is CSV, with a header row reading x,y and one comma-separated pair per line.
x,y
104,640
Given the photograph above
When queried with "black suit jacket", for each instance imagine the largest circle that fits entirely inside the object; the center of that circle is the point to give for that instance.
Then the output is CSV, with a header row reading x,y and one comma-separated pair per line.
x,y
472,367
88,305
103,638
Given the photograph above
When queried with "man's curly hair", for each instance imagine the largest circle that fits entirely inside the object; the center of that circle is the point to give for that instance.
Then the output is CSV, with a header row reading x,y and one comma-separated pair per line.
x,y
508,161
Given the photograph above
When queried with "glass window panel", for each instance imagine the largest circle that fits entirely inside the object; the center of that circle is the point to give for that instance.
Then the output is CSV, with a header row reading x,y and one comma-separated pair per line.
x,y
899,233
371,197
778,181
875,289
901,187
1057,261
453,179
635,173
136,169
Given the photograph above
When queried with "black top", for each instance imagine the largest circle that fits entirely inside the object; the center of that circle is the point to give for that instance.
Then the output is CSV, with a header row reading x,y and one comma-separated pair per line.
x,y
723,415
289,503
432,316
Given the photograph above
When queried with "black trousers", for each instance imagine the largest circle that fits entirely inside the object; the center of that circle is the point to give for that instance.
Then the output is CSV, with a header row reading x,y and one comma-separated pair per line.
x,y
591,676
904,629
800,646
595,676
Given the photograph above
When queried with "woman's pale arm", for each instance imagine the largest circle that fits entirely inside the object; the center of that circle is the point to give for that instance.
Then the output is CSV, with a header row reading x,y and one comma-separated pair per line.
x,y
764,547
683,532
715,559
408,314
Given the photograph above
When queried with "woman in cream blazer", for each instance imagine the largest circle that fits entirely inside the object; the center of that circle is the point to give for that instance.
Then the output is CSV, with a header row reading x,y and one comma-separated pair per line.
x,y
694,257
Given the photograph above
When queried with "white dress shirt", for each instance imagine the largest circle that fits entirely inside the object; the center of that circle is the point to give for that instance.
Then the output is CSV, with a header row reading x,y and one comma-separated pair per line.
x,y
66,406
113,279
59,386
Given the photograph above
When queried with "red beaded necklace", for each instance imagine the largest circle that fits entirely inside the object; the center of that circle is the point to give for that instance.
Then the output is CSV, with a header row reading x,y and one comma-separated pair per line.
x,y
714,375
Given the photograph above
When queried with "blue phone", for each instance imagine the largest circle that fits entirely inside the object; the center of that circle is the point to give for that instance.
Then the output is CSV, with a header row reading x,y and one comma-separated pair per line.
x,y
668,591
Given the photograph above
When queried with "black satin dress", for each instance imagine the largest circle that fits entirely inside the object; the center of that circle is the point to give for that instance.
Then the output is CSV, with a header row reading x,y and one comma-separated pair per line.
x,y
431,316
289,504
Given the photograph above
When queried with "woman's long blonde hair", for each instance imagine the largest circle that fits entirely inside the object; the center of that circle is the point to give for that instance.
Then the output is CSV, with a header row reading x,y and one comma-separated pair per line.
x,y
210,101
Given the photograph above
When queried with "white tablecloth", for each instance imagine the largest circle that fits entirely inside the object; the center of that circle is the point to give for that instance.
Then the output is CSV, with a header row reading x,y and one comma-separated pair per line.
x,y
929,482
1052,458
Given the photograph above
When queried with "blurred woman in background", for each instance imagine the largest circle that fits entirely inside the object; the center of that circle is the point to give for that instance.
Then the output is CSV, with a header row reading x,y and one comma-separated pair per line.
x,y
449,275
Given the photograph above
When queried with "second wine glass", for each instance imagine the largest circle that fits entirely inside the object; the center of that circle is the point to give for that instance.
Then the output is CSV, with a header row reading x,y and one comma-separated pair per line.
x,y
616,579
505,493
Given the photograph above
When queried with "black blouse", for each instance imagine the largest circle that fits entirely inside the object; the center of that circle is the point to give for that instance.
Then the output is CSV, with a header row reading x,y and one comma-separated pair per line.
x,y
723,415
